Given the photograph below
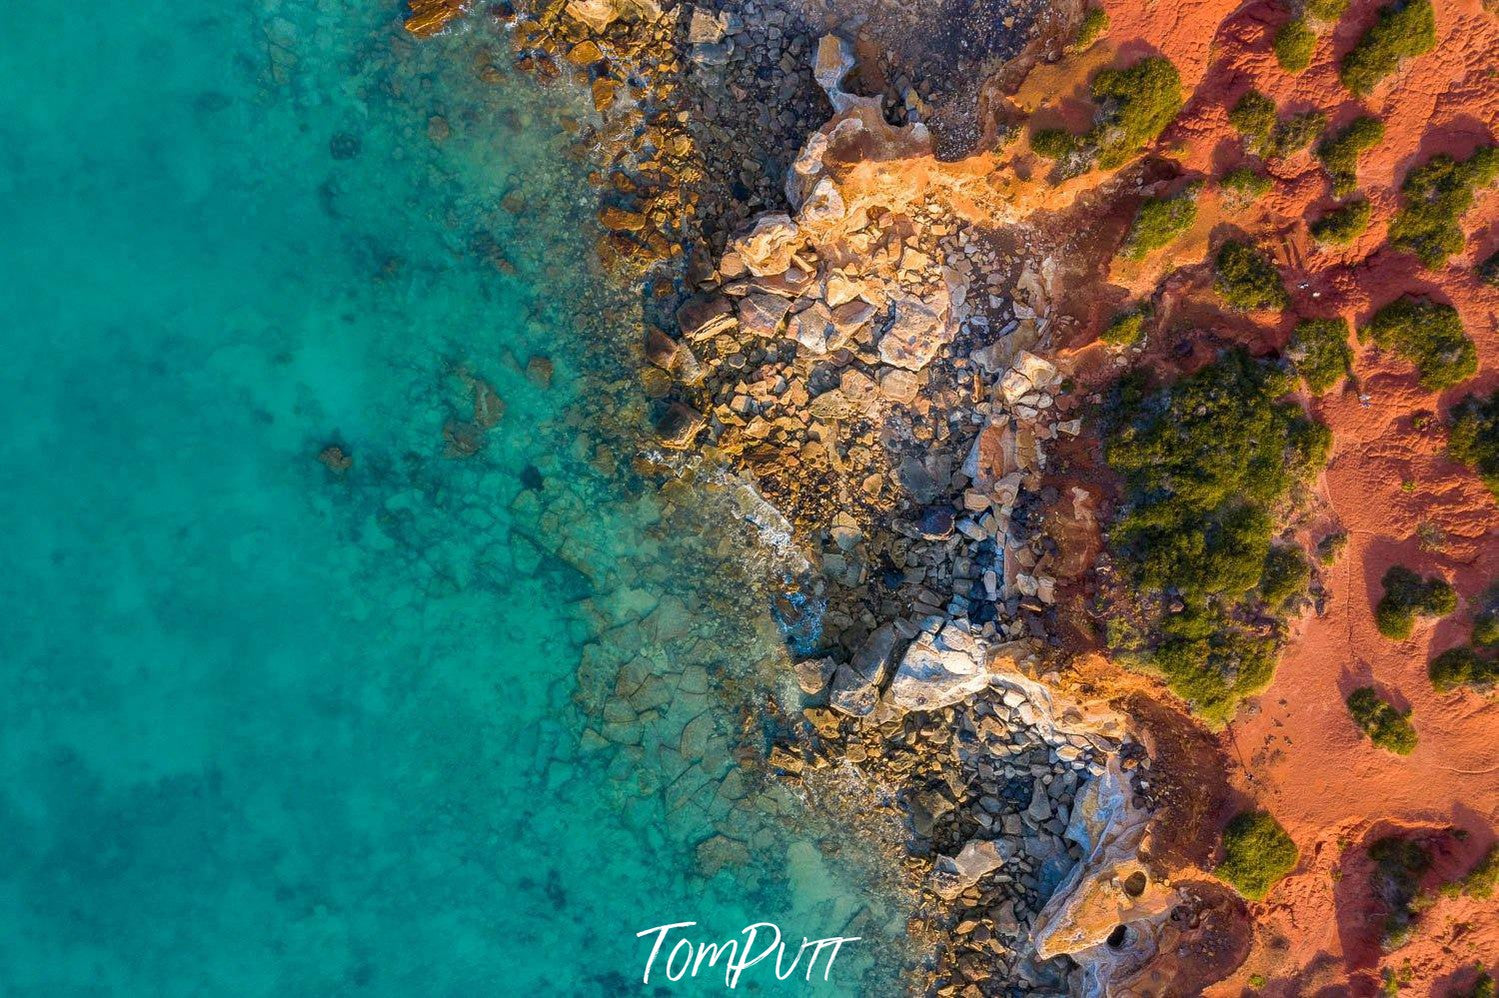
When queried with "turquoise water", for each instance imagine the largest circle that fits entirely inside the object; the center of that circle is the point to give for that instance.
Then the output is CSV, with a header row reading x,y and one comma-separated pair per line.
x,y
458,719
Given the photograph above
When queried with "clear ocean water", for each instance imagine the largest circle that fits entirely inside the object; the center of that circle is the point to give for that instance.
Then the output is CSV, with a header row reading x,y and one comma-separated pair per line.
x,y
459,719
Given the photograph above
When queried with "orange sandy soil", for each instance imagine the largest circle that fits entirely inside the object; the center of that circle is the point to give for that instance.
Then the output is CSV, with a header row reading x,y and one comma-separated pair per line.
x,y
1294,749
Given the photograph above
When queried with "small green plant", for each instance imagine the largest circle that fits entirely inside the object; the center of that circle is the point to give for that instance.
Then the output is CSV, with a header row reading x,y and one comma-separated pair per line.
x,y
1331,547
1054,143
1463,666
1126,327
1254,117
1257,853
1136,105
1284,580
1159,221
1488,270
1376,717
1326,10
1258,981
1480,881
1428,334
1294,133
1246,279
1401,31
1473,437
1319,349
1343,224
1294,44
1408,596
1399,864
1483,987
1245,184
1094,25
1437,195
1486,621
1340,151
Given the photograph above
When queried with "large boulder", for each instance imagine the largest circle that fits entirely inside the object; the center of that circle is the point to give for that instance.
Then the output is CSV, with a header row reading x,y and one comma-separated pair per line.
x,y
856,685
760,313
940,669
917,330
767,247
705,316
952,875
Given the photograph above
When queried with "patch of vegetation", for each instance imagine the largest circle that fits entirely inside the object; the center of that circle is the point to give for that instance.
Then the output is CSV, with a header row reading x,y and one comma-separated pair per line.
x,y
1126,327
1254,117
1319,349
1429,335
1247,184
1463,666
1376,717
1408,596
1486,621
1483,987
1331,547
1473,437
1094,25
1294,44
1209,462
1293,133
1159,221
1285,578
1326,10
1339,152
1401,31
1246,279
1257,853
1343,224
1488,270
1054,143
1437,194
1480,881
1399,863
1136,105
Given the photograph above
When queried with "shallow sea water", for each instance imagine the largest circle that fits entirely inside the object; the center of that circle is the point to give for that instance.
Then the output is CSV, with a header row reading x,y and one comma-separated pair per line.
x,y
436,725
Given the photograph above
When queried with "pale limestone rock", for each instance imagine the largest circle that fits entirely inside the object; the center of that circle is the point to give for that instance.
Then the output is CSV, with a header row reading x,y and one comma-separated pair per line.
x,y
899,386
940,669
915,334
952,875
767,247
834,59
760,313
811,327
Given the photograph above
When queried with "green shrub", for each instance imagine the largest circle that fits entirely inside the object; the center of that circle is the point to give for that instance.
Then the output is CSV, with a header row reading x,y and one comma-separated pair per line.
x,y
1488,270
1473,437
1094,25
1246,184
1159,221
1294,44
1246,279
1206,463
1340,151
1429,335
1257,853
1486,624
1376,717
1480,881
1326,10
1399,32
1399,863
1437,194
1054,143
1293,133
1483,987
1135,106
1254,117
1330,548
1126,327
1463,666
1319,349
1343,224
1408,596
1284,580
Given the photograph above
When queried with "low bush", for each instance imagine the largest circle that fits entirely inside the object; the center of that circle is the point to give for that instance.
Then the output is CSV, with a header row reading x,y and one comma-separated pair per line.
x,y
1254,117
1135,105
1473,436
1480,881
1376,717
1208,463
1054,143
1340,151
1400,31
1294,133
1326,10
1463,666
1408,596
1246,184
1399,864
1126,328
1331,547
1284,580
1246,279
1319,349
1294,43
1437,195
1488,270
1343,224
1094,25
1159,221
1257,853
1483,987
1429,335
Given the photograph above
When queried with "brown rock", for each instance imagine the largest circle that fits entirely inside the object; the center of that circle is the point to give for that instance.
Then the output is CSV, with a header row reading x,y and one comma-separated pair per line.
x,y
705,316
678,425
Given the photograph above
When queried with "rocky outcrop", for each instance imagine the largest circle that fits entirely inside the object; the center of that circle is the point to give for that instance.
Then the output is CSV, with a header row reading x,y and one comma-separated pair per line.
x,y
940,668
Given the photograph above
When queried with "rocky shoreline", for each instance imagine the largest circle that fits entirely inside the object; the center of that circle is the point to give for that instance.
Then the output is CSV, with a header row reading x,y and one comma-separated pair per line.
x,y
850,323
